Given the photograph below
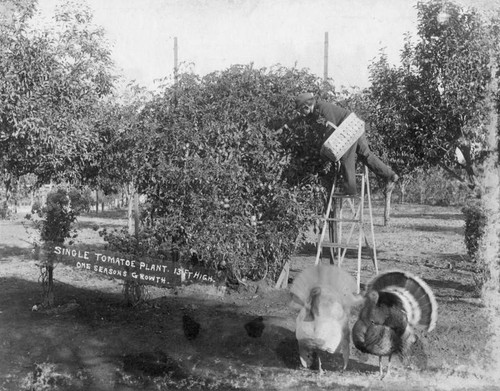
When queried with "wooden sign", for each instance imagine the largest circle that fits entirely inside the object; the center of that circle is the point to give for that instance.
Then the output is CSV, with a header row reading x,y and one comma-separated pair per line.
x,y
145,271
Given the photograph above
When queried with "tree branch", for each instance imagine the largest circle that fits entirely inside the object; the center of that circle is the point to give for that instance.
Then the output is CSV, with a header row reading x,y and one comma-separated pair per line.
x,y
451,172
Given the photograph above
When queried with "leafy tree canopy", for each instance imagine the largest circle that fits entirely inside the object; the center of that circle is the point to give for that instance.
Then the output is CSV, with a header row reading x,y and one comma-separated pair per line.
x,y
51,80
434,104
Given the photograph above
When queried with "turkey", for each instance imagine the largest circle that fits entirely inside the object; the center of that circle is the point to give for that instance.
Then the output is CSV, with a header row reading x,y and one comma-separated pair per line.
x,y
325,296
395,304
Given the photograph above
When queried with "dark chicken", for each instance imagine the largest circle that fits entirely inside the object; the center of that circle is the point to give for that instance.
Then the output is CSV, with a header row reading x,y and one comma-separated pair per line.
x,y
255,327
395,304
190,326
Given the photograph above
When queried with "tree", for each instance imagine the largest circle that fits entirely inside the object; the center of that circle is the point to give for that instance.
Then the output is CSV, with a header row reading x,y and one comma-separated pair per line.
x,y
14,11
435,100
51,80
116,163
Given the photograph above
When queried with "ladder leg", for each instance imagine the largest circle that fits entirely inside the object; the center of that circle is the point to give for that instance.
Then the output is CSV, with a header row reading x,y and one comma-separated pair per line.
x,y
334,210
361,232
340,256
353,226
333,230
325,223
374,246
335,227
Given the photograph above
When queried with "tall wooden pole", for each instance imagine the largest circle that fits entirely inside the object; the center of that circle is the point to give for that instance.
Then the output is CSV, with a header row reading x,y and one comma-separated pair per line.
x,y
176,65
325,74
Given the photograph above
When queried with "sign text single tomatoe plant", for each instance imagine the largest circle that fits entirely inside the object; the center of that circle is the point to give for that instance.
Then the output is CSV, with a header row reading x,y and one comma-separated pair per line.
x,y
145,271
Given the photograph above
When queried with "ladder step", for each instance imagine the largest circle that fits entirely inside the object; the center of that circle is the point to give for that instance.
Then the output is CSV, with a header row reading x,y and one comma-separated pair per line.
x,y
333,219
336,245
340,195
343,220
358,207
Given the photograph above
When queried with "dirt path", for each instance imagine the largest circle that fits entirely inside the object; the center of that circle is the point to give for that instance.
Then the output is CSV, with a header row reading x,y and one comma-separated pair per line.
x,y
94,342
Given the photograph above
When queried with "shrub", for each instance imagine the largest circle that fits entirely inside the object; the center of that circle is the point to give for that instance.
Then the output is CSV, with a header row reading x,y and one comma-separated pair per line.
x,y
54,227
157,241
5,212
57,217
475,223
212,166
435,187
80,200
36,208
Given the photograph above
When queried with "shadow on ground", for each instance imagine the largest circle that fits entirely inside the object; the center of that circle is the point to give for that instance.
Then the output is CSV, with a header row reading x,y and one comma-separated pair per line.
x,y
449,284
437,228
430,216
12,251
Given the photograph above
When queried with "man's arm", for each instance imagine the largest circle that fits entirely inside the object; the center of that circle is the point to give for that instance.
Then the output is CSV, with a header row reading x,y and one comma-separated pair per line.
x,y
279,124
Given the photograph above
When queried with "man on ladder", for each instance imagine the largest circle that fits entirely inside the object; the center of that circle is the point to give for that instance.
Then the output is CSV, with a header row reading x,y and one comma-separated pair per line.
x,y
311,109
342,148
308,106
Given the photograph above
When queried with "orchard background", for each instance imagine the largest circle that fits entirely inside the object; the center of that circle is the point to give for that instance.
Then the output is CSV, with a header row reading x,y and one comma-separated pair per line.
x,y
205,170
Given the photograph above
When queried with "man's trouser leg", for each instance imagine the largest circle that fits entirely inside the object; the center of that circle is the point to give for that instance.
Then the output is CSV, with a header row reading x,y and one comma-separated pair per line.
x,y
348,169
374,164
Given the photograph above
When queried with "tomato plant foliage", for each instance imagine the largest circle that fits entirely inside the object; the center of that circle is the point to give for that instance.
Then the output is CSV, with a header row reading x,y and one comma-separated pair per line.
x,y
215,167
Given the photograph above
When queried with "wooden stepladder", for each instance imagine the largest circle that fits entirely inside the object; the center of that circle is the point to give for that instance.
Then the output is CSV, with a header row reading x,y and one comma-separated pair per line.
x,y
353,220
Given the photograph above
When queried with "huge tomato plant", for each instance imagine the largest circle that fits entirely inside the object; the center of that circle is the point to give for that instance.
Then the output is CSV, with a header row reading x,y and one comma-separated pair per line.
x,y
213,165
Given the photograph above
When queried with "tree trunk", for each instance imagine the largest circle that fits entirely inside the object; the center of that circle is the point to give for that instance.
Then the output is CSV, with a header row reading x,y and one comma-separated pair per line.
x,y
49,294
422,194
124,197
403,184
96,201
133,289
136,213
130,214
4,209
387,209
490,242
469,165
133,211
48,279
8,185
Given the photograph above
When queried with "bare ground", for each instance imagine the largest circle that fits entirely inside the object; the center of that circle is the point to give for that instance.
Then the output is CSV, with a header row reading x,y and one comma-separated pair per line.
x,y
93,341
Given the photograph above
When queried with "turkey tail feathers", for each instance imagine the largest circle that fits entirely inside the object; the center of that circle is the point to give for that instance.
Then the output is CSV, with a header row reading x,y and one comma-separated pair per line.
x,y
415,295
327,277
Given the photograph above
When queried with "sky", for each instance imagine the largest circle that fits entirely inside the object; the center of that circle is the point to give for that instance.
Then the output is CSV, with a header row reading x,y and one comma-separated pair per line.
x,y
215,34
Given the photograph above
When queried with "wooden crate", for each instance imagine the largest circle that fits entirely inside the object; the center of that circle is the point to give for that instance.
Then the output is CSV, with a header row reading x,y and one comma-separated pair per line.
x,y
343,138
